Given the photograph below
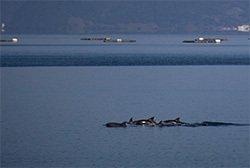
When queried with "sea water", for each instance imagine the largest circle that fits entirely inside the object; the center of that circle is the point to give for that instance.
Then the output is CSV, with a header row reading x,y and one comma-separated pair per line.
x,y
53,116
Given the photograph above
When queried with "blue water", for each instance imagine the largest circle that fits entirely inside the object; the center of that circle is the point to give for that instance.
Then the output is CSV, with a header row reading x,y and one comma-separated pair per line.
x,y
148,50
54,116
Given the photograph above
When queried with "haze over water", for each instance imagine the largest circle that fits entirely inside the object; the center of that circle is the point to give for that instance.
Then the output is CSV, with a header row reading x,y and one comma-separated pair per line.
x,y
52,114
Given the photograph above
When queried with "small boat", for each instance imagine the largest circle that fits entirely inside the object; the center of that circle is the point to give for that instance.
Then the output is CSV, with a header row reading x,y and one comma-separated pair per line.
x,y
118,40
205,40
108,40
13,40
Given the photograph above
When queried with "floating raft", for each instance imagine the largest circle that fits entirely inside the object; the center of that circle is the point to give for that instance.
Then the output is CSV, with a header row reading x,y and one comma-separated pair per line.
x,y
95,38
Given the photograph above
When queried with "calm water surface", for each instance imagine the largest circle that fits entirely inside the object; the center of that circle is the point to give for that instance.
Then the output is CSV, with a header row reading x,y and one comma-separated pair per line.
x,y
54,116
61,50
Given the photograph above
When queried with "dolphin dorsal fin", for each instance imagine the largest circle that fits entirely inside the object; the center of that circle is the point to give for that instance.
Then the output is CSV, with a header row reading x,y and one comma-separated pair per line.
x,y
152,118
160,123
177,119
131,119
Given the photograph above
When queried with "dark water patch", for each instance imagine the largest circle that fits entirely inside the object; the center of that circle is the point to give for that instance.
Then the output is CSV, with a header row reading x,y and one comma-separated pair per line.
x,y
121,60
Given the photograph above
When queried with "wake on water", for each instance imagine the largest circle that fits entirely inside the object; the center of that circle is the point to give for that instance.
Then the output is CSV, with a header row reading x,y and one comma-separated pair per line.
x,y
211,123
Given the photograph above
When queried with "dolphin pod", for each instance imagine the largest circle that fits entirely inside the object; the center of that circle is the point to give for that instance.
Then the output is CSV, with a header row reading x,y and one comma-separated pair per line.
x,y
167,123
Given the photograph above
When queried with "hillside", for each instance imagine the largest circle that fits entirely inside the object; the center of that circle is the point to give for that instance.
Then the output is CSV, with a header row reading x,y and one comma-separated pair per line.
x,y
62,17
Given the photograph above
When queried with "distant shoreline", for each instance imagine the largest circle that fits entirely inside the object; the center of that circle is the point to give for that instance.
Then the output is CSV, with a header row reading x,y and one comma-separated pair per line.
x,y
135,33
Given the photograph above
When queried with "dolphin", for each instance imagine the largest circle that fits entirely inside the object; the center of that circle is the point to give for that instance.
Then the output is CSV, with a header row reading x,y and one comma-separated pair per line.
x,y
174,122
149,121
115,124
